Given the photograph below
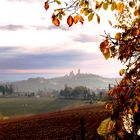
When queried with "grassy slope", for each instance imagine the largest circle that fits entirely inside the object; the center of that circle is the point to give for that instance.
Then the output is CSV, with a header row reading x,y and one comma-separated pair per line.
x,y
29,106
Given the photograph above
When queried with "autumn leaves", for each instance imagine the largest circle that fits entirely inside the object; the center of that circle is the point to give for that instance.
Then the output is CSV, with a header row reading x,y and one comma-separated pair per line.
x,y
82,8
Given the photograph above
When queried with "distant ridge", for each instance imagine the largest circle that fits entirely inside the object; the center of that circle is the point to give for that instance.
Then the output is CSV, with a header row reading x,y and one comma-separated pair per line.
x,y
91,81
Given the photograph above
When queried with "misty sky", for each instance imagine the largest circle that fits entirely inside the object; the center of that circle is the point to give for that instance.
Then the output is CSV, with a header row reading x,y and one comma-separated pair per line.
x,y
30,46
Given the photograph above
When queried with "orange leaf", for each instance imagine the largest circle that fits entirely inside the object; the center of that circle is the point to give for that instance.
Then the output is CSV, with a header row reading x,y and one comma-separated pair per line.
x,y
120,7
137,48
70,20
118,36
139,99
56,22
76,18
46,5
136,32
105,49
81,19
121,72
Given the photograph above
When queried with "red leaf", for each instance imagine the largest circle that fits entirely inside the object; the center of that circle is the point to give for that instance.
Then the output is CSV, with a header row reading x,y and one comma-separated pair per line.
x,y
70,20
46,5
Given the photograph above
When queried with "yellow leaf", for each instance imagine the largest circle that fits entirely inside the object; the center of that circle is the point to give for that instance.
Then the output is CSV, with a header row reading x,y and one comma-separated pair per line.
x,y
105,6
121,72
130,111
82,10
113,6
106,53
86,12
90,17
136,108
102,127
106,126
57,1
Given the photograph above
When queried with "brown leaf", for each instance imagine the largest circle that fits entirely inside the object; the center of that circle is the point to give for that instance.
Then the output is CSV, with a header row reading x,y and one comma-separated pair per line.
x,y
46,5
132,4
81,19
98,4
98,18
110,22
103,45
70,20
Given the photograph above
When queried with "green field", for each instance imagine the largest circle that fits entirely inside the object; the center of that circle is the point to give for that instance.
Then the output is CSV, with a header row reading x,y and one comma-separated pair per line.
x,y
29,106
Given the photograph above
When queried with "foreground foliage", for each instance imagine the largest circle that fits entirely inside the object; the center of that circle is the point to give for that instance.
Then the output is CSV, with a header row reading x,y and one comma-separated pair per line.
x,y
125,46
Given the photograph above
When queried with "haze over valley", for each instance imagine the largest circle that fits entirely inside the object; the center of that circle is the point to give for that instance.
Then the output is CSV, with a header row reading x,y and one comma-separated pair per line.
x,y
91,81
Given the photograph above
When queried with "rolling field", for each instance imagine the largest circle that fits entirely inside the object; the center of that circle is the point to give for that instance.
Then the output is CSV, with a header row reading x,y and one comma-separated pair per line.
x,y
54,126
12,107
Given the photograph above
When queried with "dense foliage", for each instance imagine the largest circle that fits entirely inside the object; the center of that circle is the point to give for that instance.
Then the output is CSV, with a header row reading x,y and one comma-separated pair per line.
x,y
77,92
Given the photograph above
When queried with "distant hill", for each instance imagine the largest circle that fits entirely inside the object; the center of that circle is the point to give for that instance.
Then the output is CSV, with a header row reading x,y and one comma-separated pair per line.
x,y
91,81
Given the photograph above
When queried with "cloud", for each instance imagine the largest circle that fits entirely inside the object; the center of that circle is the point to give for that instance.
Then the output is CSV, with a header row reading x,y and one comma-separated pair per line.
x,y
21,65
29,1
12,27
85,38
62,27
5,49
39,28
51,27
46,60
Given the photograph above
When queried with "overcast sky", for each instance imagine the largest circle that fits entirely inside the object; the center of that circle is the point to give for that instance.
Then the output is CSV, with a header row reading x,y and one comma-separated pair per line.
x,y
30,46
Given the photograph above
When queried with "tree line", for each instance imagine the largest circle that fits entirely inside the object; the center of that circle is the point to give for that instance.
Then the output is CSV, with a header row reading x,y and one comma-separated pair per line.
x,y
81,92
6,89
